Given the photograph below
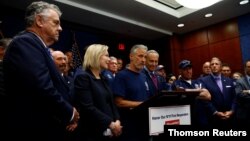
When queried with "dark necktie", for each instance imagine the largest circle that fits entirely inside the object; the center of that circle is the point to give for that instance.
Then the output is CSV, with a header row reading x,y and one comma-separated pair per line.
x,y
154,78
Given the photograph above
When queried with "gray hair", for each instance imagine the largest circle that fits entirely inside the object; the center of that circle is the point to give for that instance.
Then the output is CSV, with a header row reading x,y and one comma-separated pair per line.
x,y
39,7
135,47
112,58
153,51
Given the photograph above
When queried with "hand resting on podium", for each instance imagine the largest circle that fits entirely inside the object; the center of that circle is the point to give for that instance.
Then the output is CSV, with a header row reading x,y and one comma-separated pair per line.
x,y
204,93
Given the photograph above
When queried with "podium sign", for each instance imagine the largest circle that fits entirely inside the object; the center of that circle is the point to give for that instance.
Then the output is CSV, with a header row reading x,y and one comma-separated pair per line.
x,y
166,108
168,115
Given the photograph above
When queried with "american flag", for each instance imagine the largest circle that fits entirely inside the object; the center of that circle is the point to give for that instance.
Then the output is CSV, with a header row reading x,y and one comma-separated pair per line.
x,y
77,59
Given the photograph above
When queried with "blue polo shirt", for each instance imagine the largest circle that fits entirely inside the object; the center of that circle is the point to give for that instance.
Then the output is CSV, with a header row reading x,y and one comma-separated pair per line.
x,y
131,85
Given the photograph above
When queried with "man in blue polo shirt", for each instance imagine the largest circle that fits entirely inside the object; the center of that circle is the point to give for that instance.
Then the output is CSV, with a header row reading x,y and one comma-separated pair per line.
x,y
130,89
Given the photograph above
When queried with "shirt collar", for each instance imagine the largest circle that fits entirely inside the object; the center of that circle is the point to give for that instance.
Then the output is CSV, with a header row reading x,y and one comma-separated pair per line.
x,y
216,76
39,38
149,72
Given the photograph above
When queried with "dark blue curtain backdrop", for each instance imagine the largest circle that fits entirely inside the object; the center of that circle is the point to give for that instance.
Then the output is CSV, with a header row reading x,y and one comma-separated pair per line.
x,y
244,29
68,37
13,23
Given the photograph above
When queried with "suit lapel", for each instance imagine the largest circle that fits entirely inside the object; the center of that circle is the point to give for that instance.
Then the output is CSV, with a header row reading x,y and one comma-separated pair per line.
x,y
224,83
246,83
51,64
217,87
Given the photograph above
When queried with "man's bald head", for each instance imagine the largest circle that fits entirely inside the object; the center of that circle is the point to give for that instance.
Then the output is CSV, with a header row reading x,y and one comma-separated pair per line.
x,y
60,60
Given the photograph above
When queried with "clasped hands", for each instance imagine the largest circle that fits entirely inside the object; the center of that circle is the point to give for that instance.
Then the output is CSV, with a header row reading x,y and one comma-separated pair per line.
x,y
116,128
224,115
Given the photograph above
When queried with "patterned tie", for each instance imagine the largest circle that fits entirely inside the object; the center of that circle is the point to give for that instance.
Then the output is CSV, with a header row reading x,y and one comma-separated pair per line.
x,y
154,78
219,83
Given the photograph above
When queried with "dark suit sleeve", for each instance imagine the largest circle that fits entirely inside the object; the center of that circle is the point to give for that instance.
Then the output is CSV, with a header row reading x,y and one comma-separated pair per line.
x,y
29,59
233,96
210,108
88,98
113,106
240,86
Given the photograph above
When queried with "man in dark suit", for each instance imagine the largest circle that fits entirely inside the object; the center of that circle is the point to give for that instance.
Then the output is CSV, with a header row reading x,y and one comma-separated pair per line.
x,y
38,97
220,110
4,43
243,98
60,61
153,79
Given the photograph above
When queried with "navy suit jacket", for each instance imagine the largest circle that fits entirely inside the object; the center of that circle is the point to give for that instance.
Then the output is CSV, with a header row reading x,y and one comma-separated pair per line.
x,y
242,84
152,88
161,85
2,93
243,100
38,95
2,99
220,101
95,102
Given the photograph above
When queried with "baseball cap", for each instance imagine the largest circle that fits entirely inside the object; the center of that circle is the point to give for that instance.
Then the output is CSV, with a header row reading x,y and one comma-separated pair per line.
x,y
184,64
159,67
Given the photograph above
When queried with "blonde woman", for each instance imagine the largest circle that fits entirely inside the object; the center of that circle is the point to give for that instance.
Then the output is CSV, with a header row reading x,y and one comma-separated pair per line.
x,y
100,119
